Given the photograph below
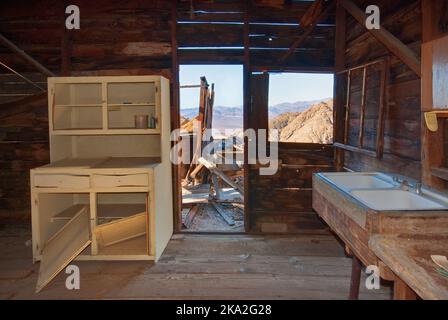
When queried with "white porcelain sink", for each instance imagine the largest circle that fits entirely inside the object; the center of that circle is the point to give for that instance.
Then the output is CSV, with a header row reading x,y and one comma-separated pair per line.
x,y
396,200
355,181
380,192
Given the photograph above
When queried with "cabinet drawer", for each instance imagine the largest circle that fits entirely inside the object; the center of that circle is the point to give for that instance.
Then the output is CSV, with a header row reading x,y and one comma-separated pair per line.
x,y
128,180
61,181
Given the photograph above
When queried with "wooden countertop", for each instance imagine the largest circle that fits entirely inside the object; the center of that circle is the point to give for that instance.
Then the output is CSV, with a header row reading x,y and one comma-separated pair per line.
x,y
104,163
409,257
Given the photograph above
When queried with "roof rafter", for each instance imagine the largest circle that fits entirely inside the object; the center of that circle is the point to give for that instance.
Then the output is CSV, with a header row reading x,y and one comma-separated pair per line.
x,y
392,43
317,10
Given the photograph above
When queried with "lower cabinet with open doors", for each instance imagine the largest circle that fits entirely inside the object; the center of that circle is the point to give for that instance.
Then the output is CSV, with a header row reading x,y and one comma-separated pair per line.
x,y
120,222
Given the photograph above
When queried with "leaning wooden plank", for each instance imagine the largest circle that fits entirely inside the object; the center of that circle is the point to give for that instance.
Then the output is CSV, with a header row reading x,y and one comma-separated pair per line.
x,y
195,198
190,216
121,230
224,214
63,247
196,170
219,173
216,186
200,188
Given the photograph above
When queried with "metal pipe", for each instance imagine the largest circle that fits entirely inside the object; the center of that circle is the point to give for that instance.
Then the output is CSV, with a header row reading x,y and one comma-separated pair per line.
x,y
25,56
21,76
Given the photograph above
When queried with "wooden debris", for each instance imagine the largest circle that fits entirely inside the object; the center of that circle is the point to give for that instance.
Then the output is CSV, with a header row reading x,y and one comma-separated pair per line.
x,y
210,166
189,219
226,215
206,100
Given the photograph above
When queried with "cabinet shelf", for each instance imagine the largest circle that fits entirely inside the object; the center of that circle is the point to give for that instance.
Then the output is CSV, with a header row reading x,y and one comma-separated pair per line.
x,y
118,131
132,247
104,211
78,105
104,108
131,104
431,119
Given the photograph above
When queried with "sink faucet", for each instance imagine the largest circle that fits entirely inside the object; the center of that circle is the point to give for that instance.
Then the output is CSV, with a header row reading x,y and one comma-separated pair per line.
x,y
405,185
418,188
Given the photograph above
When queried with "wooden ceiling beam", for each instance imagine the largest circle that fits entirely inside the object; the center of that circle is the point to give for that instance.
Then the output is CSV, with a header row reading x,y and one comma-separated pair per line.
x,y
312,14
392,43
309,21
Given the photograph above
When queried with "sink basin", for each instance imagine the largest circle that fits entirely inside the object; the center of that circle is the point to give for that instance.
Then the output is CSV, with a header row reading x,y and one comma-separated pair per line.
x,y
396,200
355,181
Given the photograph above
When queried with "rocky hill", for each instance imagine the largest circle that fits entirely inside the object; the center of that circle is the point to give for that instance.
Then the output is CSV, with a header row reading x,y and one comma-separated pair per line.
x,y
315,125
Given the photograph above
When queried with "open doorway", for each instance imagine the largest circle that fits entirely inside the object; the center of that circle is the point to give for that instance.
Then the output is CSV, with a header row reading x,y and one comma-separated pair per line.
x,y
211,109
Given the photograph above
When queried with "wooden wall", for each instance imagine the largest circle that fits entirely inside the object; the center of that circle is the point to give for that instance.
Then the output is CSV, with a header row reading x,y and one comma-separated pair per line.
x,y
402,143
113,35
23,146
282,203
116,38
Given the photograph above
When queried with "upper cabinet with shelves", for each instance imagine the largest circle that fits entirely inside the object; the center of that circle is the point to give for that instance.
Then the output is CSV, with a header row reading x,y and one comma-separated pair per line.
x,y
104,105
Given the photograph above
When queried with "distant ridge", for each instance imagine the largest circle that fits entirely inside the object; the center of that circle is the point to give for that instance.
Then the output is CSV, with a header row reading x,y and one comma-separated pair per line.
x,y
301,121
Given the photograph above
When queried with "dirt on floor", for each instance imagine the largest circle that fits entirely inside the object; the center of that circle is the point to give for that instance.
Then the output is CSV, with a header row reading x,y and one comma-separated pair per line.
x,y
209,220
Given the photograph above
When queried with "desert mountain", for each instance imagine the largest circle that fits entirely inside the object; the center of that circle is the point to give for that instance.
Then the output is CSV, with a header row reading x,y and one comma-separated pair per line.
x,y
315,125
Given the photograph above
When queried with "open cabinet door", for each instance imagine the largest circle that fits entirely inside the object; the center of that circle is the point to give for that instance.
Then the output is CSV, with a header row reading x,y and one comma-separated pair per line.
x,y
121,230
63,247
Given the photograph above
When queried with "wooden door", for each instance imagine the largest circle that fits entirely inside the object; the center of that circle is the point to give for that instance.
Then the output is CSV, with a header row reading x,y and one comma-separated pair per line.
x,y
63,247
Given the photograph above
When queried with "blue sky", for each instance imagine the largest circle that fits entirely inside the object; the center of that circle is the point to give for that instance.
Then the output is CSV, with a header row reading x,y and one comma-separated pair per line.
x,y
292,87
228,80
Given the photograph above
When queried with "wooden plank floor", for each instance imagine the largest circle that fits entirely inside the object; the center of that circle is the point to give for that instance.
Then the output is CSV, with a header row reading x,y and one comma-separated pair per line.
x,y
195,267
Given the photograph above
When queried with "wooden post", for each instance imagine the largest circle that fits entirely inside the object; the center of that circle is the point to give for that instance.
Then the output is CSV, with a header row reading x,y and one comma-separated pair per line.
x,y
402,291
432,142
338,110
384,107
246,113
362,116
66,52
347,108
175,118
355,279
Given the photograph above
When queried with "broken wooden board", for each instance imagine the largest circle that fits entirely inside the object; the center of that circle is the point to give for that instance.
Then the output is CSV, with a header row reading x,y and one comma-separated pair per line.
x,y
189,219
224,214
210,166
189,199
216,186
121,230
195,194
63,247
